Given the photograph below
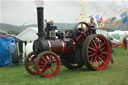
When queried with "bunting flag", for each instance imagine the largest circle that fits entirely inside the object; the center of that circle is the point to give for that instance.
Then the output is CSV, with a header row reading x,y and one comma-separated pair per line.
x,y
123,15
100,25
114,21
108,21
125,19
99,21
97,17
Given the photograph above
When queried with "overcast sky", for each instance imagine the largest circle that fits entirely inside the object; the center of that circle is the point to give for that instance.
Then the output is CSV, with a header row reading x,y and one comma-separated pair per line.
x,y
18,12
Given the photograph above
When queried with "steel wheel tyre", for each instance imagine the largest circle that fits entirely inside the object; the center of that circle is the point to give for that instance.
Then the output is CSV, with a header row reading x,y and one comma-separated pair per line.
x,y
47,64
29,63
96,52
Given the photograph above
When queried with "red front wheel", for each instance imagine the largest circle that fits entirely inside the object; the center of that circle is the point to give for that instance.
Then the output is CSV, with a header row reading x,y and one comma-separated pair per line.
x,y
47,64
96,52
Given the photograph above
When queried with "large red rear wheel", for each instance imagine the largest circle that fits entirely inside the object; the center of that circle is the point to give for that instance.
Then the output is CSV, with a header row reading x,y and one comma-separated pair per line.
x,y
96,52
47,64
81,31
29,63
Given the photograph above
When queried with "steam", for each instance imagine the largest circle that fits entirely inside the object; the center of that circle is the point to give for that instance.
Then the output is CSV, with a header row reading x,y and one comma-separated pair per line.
x,y
39,3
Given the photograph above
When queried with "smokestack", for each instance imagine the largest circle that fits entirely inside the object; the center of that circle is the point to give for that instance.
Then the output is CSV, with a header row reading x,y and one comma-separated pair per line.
x,y
40,19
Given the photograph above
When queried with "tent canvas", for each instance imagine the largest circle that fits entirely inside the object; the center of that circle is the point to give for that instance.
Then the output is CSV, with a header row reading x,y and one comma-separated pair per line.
x,y
5,40
29,34
4,54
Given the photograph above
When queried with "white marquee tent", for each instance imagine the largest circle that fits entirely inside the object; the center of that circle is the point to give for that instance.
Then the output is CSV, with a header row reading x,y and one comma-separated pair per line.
x,y
29,34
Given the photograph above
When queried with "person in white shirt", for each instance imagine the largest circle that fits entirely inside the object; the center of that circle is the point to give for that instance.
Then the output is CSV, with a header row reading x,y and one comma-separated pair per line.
x,y
92,25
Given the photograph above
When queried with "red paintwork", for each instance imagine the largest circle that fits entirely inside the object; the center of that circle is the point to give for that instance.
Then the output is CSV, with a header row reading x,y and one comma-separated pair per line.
x,y
30,65
98,61
59,46
43,60
83,32
69,50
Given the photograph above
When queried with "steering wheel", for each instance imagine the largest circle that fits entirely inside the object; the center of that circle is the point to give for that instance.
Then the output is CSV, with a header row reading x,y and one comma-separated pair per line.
x,y
81,31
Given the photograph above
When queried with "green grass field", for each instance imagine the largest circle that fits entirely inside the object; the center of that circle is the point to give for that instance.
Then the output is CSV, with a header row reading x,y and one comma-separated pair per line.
x,y
114,74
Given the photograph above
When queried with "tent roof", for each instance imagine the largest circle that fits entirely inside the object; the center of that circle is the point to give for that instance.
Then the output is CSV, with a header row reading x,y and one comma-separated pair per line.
x,y
6,36
29,34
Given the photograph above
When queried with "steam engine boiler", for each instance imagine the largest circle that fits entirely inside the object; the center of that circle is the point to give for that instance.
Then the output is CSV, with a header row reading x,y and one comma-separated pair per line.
x,y
74,48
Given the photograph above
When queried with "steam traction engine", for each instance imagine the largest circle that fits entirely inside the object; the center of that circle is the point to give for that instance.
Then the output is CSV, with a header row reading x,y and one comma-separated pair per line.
x,y
74,48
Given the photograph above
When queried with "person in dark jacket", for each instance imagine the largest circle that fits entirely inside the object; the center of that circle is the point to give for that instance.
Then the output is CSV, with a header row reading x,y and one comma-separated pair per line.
x,y
125,43
92,25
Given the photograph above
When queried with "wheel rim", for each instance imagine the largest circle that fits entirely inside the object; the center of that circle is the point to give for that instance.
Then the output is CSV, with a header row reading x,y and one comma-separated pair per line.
x,y
48,64
29,63
98,52
80,35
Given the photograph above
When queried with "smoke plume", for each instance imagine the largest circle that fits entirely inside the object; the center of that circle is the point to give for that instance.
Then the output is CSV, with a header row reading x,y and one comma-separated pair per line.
x,y
39,3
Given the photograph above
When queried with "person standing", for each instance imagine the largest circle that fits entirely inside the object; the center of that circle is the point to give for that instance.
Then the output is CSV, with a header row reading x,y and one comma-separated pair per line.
x,y
12,51
92,25
125,43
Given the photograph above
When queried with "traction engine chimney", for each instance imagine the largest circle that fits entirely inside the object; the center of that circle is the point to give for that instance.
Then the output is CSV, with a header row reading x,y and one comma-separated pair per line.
x,y
40,19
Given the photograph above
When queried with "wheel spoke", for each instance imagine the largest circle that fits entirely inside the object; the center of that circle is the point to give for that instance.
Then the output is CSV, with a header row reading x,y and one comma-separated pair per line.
x,y
89,51
42,62
102,49
91,44
94,43
52,69
96,63
91,59
92,55
54,62
53,66
44,59
32,68
41,66
78,37
102,56
102,60
102,45
99,44
92,48
104,52
50,58
48,71
94,60
30,64
42,70
83,38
